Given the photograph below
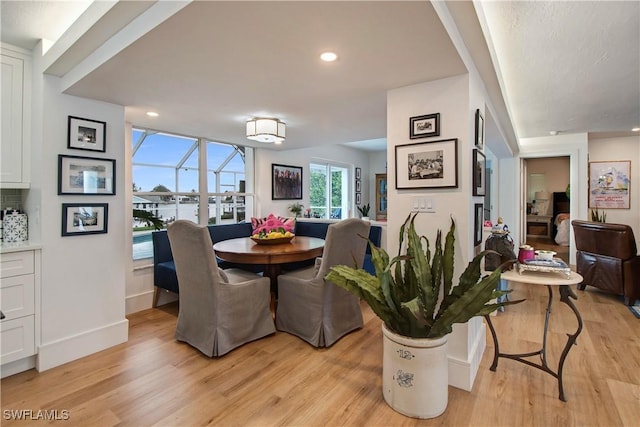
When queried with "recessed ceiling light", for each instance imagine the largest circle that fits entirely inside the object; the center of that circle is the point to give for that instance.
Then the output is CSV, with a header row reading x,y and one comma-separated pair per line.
x,y
635,129
152,114
553,132
328,56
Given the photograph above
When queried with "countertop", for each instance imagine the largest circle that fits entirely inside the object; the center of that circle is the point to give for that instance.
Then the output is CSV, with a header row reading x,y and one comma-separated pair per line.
x,y
28,245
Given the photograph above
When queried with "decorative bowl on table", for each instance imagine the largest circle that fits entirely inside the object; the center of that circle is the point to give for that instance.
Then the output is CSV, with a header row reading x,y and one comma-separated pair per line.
x,y
545,255
272,241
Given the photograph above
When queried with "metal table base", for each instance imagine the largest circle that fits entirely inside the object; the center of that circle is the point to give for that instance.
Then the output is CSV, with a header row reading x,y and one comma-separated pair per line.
x,y
566,293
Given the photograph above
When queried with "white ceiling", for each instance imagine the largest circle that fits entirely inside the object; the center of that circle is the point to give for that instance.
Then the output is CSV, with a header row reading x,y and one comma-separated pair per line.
x,y
563,66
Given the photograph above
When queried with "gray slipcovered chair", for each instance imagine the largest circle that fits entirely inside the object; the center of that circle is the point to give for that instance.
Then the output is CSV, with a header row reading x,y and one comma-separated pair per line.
x,y
314,309
219,309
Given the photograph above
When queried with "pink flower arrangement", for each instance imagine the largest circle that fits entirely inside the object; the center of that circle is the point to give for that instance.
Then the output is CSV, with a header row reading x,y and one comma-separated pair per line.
x,y
273,223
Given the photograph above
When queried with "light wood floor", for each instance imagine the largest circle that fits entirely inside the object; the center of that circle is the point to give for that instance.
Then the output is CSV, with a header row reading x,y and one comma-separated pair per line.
x,y
280,380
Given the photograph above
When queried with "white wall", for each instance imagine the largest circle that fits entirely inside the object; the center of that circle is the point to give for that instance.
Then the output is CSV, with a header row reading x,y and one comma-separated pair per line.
x,y
628,148
456,99
83,277
349,157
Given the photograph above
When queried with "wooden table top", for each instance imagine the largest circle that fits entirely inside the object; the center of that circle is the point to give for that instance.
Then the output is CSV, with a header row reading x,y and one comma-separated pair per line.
x,y
246,251
541,278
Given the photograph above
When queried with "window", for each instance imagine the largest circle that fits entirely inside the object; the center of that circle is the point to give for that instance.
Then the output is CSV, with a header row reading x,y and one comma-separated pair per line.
x,y
329,190
167,182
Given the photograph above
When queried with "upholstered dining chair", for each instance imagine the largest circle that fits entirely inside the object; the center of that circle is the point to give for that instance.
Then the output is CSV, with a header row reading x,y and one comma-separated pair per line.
x,y
219,309
314,309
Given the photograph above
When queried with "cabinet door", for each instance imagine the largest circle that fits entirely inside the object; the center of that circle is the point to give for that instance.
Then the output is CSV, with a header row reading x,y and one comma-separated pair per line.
x,y
12,75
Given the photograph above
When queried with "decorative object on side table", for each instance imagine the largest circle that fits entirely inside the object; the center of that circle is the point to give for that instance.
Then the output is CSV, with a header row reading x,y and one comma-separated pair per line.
x,y
553,265
404,294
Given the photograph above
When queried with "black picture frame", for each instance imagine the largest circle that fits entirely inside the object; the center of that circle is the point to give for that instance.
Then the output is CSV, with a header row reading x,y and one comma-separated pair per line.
x,y
358,199
479,173
358,173
286,182
479,143
84,218
358,186
86,134
424,126
432,164
478,223
86,176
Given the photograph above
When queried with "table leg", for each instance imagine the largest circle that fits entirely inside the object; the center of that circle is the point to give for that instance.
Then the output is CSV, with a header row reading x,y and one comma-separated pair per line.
x,y
272,271
565,294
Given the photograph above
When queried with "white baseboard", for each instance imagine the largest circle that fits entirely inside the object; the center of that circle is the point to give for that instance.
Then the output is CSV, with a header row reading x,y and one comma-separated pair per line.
x,y
17,366
65,350
138,302
462,373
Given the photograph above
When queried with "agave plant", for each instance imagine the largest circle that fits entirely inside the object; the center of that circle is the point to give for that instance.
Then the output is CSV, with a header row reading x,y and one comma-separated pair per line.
x,y
405,291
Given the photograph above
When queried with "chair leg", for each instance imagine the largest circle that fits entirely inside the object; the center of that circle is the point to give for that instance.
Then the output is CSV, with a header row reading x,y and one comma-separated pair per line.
x,y
582,286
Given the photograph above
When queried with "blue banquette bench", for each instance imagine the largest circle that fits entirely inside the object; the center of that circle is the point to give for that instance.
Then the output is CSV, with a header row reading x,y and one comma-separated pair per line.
x,y
164,269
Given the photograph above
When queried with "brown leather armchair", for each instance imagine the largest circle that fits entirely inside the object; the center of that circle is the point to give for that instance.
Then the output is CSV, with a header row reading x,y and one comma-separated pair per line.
x,y
607,258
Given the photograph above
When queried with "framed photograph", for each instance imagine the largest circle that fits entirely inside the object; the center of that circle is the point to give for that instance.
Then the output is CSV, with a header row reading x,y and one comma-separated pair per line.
x,y
286,182
478,223
609,184
84,218
479,173
358,186
479,130
358,173
358,199
86,175
424,126
86,134
427,165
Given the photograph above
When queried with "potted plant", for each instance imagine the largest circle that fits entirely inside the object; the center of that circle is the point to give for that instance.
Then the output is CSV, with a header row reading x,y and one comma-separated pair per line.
x,y
364,211
405,294
296,209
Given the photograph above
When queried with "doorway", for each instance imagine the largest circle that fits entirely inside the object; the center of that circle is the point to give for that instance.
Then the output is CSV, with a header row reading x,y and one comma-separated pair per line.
x,y
546,200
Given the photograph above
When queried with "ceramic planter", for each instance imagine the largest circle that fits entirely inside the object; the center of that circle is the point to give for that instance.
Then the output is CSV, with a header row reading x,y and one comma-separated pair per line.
x,y
415,375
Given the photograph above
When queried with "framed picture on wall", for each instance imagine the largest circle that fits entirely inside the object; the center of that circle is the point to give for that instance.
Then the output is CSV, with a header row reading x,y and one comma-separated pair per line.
x,y
86,134
609,184
358,173
286,182
478,223
424,126
427,165
479,173
86,176
358,199
84,218
479,130
358,185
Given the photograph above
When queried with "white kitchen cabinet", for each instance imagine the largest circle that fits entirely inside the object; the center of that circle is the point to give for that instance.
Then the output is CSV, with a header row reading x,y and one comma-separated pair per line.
x,y
15,143
17,302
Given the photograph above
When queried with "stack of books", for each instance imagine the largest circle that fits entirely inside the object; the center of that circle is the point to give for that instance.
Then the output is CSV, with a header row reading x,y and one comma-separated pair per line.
x,y
555,265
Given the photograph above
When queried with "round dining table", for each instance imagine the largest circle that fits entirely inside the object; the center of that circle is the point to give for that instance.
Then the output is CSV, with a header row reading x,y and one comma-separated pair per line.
x,y
243,250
